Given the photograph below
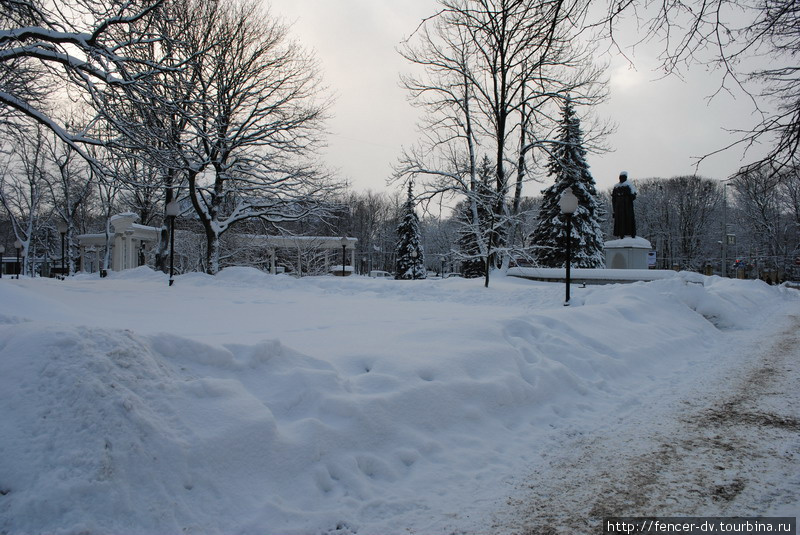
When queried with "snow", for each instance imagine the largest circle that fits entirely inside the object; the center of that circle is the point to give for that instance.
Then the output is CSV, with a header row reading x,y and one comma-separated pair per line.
x,y
626,184
124,216
578,275
256,403
634,243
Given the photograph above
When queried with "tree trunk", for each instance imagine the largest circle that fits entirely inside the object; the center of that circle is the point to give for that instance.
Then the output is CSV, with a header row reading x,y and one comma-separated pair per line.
x,y
512,231
212,253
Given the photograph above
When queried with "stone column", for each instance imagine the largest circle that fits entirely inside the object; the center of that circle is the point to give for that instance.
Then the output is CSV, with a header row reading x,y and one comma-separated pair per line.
x,y
117,253
130,250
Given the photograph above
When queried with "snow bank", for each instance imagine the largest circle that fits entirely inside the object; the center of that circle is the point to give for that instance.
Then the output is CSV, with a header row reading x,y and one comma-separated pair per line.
x,y
579,275
321,405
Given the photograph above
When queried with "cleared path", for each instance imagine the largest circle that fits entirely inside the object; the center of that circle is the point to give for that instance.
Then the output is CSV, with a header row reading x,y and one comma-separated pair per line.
x,y
729,447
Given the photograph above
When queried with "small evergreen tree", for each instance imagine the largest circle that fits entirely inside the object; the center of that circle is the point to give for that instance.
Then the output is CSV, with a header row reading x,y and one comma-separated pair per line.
x,y
410,261
569,168
473,260
469,252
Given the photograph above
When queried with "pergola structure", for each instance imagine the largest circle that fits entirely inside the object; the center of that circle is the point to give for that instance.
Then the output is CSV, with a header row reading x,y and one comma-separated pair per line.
x,y
128,241
315,242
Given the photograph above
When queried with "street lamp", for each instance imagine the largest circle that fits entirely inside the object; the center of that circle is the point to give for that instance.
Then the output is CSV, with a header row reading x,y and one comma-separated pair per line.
x,y
344,247
2,264
172,210
414,256
18,247
62,229
568,204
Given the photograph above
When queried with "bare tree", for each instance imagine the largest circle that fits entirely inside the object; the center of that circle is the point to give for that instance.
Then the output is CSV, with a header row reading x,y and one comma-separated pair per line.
x,y
259,123
155,125
142,189
791,196
495,71
108,193
679,215
729,36
70,184
790,189
765,213
84,44
371,218
236,120
23,189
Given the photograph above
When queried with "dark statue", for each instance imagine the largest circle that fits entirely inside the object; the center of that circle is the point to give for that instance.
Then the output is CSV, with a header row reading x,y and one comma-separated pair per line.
x,y
622,204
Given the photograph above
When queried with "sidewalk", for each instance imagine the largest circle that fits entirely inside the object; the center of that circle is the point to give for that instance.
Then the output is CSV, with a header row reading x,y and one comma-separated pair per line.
x,y
729,447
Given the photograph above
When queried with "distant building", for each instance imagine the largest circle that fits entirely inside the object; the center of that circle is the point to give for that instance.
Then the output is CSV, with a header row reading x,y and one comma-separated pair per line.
x,y
128,243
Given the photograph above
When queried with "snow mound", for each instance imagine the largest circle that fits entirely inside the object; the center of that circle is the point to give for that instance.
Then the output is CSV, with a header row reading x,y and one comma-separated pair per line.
x,y
141,273
729,303
105,431
408,402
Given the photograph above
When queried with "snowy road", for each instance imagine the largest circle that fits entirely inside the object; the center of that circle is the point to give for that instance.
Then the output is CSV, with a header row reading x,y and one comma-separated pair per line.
x,y
727,444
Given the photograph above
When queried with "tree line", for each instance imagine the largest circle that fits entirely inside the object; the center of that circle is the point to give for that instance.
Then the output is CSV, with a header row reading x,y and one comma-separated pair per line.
x,y
686,219
207,102
119,105
749,224
501,80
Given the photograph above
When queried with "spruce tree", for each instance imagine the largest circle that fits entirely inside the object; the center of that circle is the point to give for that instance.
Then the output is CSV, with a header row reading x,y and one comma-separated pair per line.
x,y
410,261
473,260
568,167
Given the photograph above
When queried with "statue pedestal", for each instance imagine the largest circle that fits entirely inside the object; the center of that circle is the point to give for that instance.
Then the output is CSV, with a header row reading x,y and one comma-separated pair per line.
x,y
627,253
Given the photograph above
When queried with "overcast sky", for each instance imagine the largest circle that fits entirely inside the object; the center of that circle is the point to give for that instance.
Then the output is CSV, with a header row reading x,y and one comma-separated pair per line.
x,y
662,123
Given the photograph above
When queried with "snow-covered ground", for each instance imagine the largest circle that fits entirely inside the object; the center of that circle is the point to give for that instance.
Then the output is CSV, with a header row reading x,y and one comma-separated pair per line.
x,y
251,403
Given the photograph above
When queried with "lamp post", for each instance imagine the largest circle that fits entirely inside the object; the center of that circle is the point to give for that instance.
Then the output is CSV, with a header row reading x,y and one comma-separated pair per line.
x,y
344,248
414,255
62,229
2,264
172,210
568,203
18,247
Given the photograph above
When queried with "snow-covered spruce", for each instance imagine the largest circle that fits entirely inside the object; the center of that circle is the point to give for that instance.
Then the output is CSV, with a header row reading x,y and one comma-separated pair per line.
x,y
410,261
569,168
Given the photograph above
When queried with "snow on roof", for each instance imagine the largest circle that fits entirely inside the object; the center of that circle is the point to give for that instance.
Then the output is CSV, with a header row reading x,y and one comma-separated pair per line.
x,y
124,215
92,239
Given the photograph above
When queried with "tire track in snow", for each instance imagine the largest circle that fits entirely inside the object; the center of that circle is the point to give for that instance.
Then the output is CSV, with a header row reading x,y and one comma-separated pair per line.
x,y
731,450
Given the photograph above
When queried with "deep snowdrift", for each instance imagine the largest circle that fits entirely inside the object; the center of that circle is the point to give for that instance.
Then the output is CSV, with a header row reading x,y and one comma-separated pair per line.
x,y
249,403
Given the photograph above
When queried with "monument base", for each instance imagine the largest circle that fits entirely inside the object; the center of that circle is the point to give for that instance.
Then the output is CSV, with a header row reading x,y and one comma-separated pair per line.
x,y
627,253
